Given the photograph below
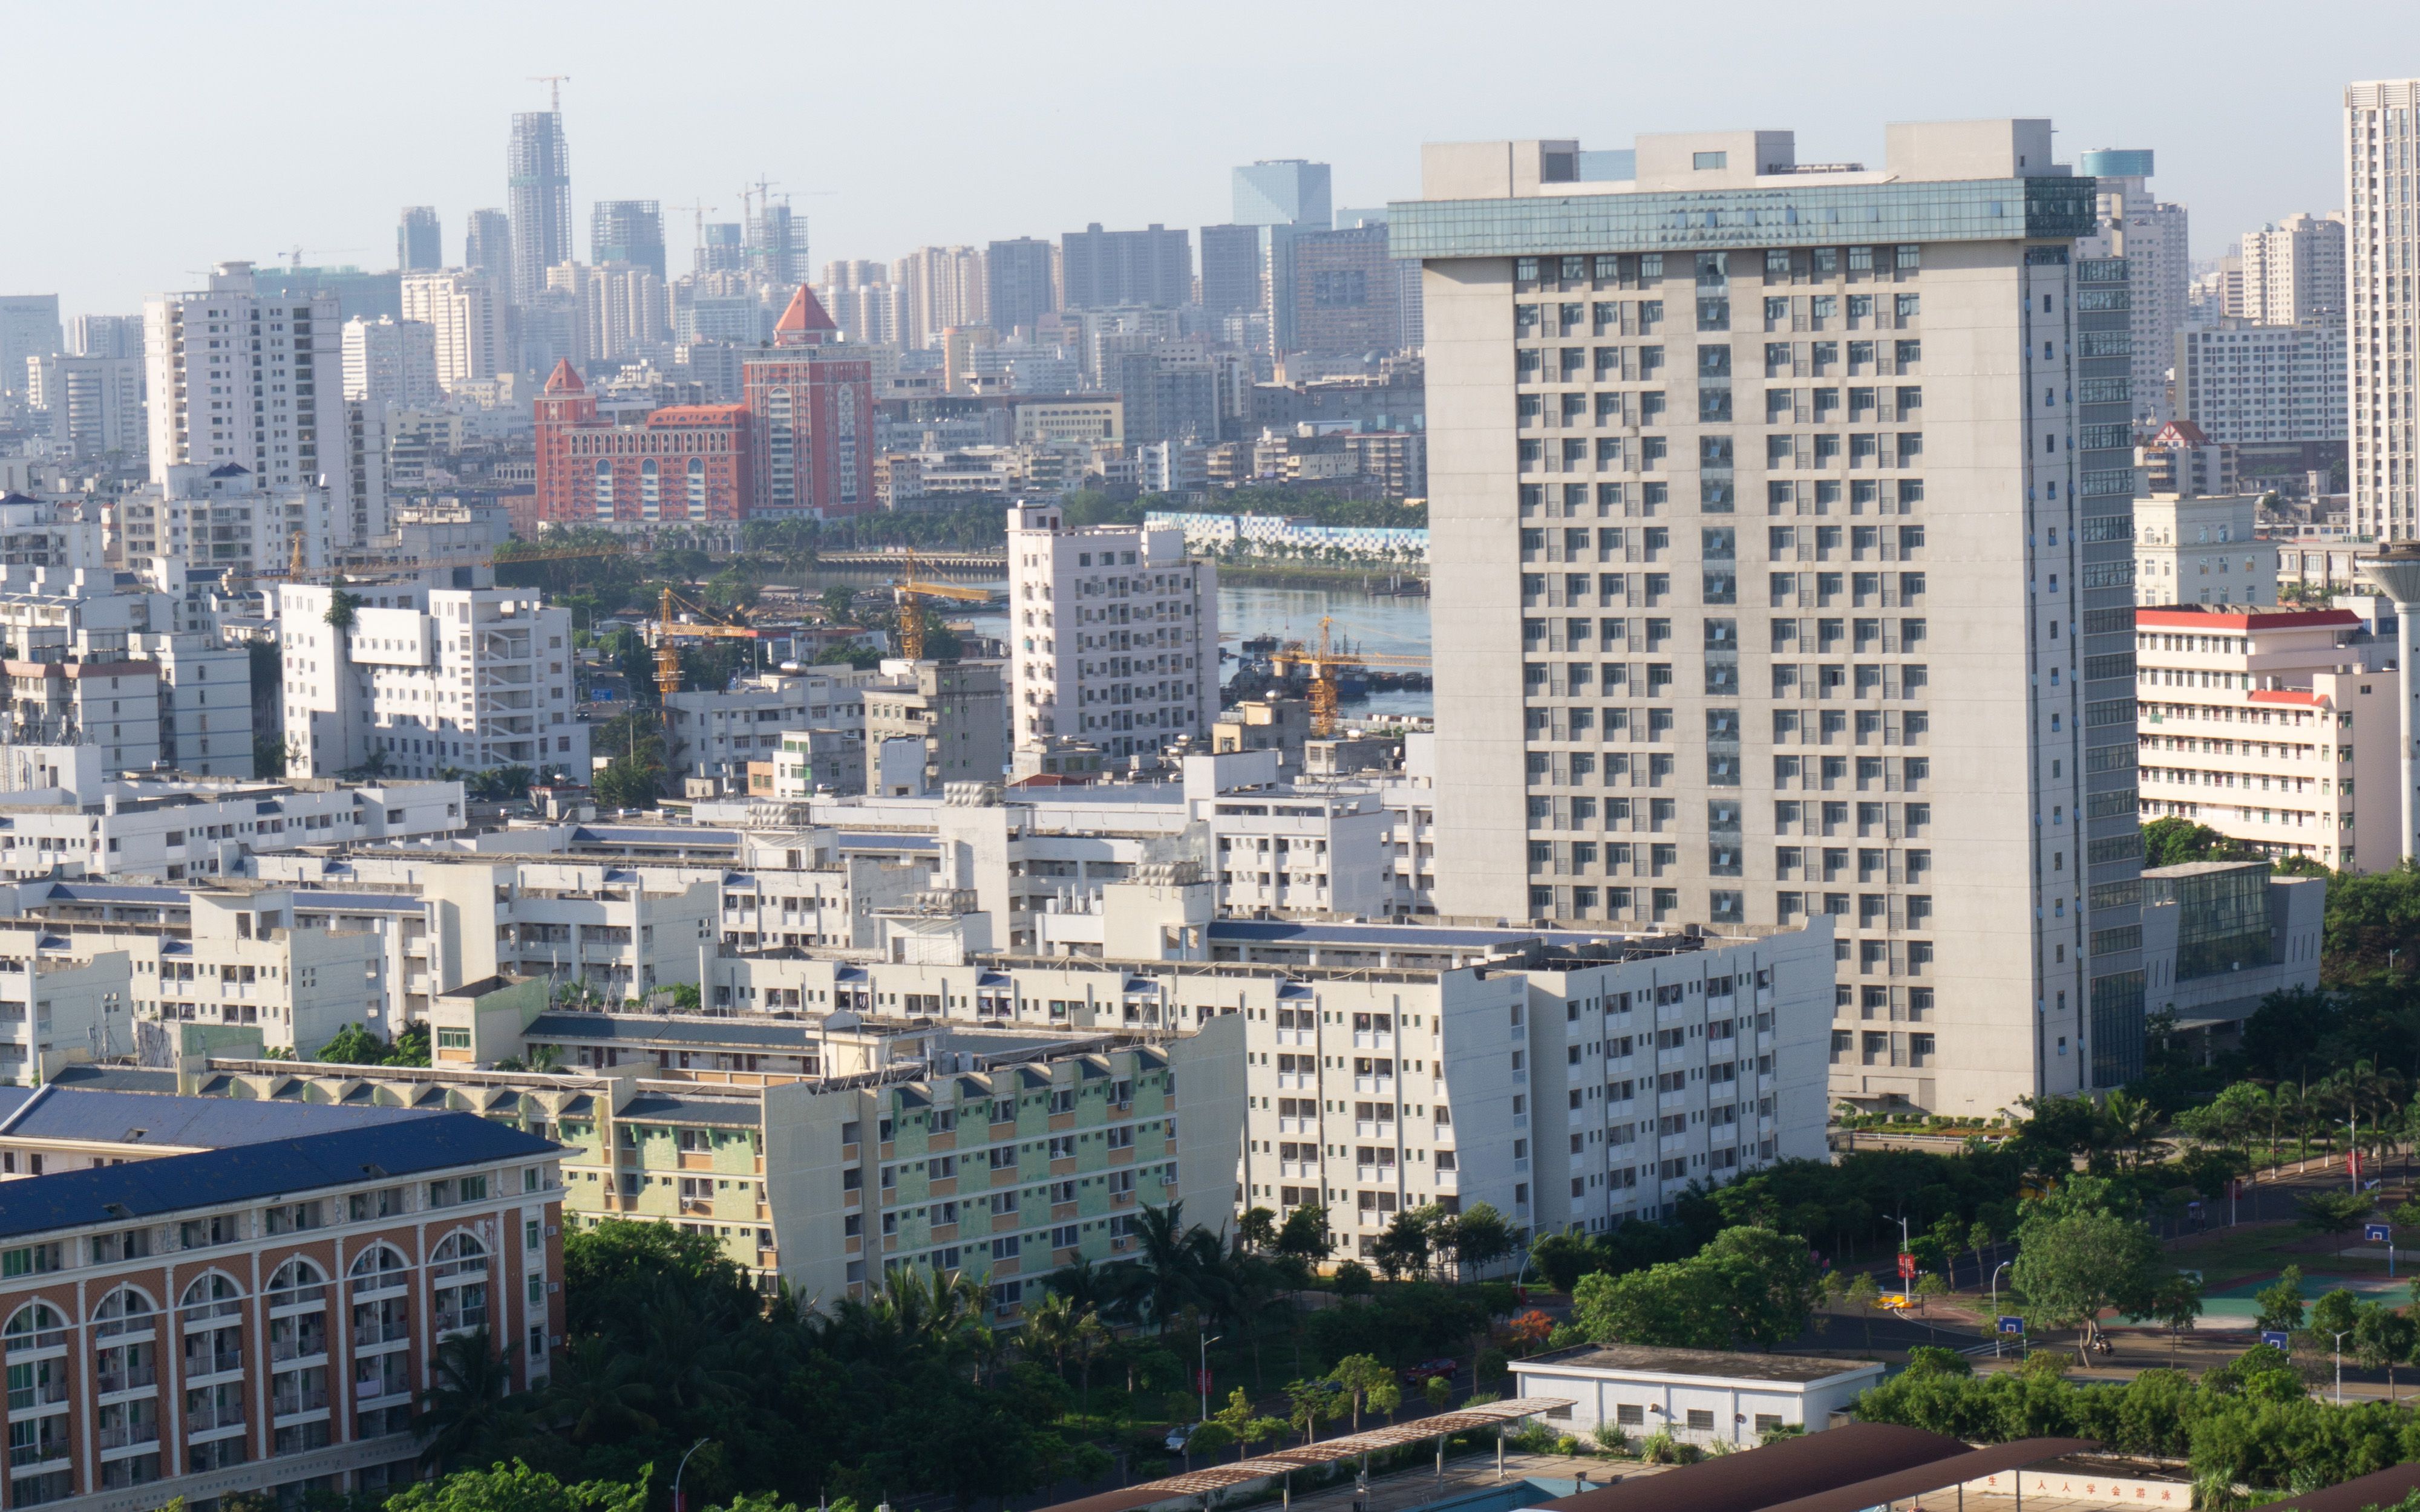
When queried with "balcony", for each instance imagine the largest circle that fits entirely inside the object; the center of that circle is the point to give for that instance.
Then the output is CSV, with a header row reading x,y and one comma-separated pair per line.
x,y
284,1402
46,1392
134,1377
121,1435
391,1331
212,1416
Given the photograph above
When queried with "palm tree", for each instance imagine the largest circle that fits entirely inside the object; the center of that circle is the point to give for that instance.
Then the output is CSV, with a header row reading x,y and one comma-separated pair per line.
x,y
1050,1329
466,1406
1173,1263
598,1393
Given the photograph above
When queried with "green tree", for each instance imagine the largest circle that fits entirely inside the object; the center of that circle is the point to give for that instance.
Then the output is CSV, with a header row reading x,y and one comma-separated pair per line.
x,y
516,1487
1304,1234
1481,1236
1402,1247
2384,1337
1768,1284
2281,1301
598,1394
353,1045
2333,1213
1678,1304
2076,1258
2175,1300
465,1407
1352,1280
1257,1228
1356,1376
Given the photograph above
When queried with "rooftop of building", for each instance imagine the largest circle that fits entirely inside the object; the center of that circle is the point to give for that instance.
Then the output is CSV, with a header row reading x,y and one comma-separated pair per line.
x,y
1631,1359
350,1147
2224,617
96,1105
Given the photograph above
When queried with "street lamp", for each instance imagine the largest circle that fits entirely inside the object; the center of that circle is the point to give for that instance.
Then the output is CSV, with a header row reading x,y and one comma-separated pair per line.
x,y
2340,1338
1203,1379
679,1503
1995,1307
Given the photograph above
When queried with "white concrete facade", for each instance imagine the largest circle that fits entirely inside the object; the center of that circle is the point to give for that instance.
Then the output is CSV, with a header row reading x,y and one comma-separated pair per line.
x,y
2195,550
427,679
1699,1396
2381,131
466,313
1760,574
240,378
2267,727
1113,634
391,362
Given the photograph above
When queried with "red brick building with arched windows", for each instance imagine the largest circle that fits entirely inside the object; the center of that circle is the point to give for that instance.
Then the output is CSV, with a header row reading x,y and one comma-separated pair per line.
x,y
683,463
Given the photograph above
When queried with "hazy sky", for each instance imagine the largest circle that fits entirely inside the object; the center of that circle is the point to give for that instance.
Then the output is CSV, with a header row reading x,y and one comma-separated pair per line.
x,y
153,140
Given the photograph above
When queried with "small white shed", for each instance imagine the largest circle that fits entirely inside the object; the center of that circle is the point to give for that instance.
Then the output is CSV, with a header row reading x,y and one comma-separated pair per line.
x,y
1701,1395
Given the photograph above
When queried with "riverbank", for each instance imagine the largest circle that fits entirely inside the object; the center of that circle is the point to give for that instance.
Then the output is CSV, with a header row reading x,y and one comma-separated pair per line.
x,y
1405,582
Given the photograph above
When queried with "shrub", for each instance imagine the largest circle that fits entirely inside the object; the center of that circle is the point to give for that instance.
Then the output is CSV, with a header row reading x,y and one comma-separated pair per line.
x,y
1612,1438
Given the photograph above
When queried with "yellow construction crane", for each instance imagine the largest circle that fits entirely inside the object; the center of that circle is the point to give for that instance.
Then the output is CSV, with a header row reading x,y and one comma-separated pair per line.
x,y
911,614
669,631
1321,667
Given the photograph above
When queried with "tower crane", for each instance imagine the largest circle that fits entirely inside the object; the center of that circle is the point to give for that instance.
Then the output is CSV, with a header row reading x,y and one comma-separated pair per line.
x,y
911,594
1323,665
668,632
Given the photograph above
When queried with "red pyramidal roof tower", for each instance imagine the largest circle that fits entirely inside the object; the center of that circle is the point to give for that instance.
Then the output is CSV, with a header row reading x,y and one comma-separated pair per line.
x,y
805,322
563,379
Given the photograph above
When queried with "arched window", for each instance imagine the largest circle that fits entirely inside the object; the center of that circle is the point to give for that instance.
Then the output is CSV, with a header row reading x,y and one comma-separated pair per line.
x,y
651,488
124,1311
379,1270
697,488
33,1328
458,1278
298,1283
214,1296
380,1284
298,1312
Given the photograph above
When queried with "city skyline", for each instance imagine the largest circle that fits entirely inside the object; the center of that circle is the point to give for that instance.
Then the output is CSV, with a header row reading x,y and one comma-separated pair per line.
x,y
337,198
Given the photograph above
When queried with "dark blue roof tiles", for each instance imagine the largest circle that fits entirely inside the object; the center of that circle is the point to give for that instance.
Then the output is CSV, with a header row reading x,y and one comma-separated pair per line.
x,y
372,1149
104,1113
730,1113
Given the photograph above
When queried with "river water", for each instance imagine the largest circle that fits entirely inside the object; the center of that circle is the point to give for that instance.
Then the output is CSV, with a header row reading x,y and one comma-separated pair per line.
x,y
1377,623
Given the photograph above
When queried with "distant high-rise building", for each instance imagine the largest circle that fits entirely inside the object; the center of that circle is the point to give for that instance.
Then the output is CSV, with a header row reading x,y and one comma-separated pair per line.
x,y
29,327
1230,269
1165,688
1346,293
1984,957
943,287
1282,198
810,417
1104,269
91,407
391,363
628,231
1282,192
467,314
1018,276
487,246
537,164
419,240
2294,271
777,244
106,335
621,309
2151,236
256,399
2381,125
2244,382
724,249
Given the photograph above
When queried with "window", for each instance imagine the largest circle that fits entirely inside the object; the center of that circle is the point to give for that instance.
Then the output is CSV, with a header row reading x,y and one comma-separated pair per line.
x,y
1702,161
453,1039
1701,1420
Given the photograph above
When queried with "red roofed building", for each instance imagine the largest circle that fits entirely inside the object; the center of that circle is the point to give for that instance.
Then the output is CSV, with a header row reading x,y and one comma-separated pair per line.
x,y
2272,728
810,404
683,463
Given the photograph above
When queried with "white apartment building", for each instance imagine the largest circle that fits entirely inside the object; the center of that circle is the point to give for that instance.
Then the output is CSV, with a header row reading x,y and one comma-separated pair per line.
x,y
1580,1079
2381,124
2268,727
2152,237
192,528
69,817
2241,381
939,287
2202,550
91,407
1763,592
1134,663
49,535
719,734
391,362
243,380
427,679
2295,272
466,312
